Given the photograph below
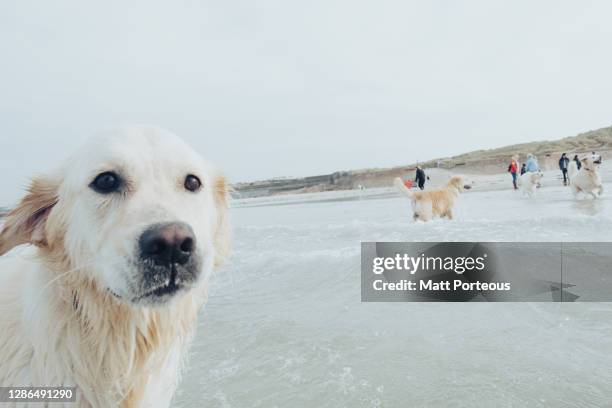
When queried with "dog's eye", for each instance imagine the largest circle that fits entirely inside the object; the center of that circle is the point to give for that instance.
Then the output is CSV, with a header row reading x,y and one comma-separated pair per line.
x,y
106,183
192,183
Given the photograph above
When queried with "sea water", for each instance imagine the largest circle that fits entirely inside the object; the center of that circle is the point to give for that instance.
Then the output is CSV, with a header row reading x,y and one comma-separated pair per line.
x,y
285,327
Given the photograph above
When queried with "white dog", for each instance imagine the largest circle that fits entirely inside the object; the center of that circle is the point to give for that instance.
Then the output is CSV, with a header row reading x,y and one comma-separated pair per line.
x,y
529,182
124,238
587,179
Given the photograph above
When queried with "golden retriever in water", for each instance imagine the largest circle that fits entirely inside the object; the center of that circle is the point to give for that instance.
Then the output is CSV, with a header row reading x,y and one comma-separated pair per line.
x,y
124,238
587,179
434,203
529,183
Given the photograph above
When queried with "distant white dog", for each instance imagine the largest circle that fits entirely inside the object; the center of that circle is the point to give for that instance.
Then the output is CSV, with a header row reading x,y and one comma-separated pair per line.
x,y
587,179
124,238
529,182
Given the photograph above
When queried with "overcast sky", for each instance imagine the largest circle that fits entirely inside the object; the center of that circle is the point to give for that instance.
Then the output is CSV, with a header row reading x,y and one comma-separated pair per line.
x,y
292,88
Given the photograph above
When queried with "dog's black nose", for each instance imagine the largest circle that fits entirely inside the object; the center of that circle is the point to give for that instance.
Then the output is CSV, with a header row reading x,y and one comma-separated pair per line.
x,y
168,243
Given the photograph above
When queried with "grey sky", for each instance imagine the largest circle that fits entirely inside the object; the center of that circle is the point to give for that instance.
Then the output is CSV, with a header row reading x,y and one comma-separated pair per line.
x,y
288,88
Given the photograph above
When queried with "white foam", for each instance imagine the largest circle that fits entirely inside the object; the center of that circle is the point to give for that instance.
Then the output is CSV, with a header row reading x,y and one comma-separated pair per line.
x,y
285,326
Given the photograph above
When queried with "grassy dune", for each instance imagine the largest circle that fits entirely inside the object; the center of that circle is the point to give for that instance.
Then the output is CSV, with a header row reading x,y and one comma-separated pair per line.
x,y
600,139
490,161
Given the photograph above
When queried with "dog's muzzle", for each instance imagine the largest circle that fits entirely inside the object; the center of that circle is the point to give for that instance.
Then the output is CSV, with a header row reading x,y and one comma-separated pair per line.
x,y
168,260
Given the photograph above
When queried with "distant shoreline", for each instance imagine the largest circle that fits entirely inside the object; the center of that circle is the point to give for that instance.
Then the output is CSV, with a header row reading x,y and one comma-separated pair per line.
x,y
483,162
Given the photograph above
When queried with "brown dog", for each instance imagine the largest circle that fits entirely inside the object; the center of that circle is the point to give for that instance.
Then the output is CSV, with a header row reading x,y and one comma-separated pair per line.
x,y
439,203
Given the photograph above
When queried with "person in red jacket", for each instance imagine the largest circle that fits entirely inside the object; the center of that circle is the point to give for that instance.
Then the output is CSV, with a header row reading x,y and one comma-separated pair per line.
x,y
513,169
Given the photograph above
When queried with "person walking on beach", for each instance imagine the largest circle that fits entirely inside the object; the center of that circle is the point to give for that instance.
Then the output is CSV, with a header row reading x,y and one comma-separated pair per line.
x,y
532,164
577,160
513,169
523,169
420,177
563,164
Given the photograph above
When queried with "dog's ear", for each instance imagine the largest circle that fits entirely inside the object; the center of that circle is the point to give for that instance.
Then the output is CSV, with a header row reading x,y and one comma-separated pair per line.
x,y
25,224
222,237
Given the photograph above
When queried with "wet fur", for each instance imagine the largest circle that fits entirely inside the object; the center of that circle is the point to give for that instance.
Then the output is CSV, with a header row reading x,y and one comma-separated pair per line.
x,y
528,183
58,327
586,180
433,203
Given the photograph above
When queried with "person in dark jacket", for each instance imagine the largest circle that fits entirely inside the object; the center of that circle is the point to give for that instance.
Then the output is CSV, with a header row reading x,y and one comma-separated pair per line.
x,y
420,178
523,169
563,164
577,160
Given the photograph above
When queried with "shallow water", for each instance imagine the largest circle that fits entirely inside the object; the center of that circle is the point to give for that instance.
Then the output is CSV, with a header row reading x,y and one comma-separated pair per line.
x,y
284,325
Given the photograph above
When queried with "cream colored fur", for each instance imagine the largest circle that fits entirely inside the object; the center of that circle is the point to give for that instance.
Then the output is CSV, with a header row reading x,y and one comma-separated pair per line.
x,y
433,203
528,183
586,180
60,324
